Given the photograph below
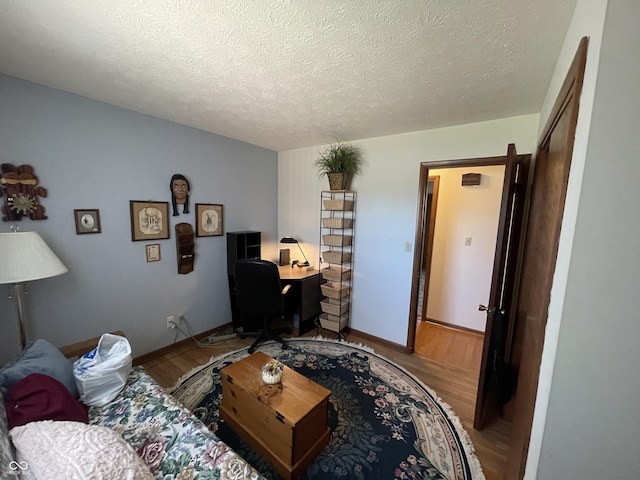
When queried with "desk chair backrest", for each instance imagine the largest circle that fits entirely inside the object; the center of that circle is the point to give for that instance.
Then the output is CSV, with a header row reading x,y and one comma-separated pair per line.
x,y
258,288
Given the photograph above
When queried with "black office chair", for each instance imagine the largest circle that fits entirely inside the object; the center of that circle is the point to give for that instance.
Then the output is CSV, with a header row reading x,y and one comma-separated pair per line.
x,y
260,294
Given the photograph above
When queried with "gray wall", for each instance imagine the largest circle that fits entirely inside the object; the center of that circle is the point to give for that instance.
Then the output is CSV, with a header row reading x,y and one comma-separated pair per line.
x,y
592,424
92,155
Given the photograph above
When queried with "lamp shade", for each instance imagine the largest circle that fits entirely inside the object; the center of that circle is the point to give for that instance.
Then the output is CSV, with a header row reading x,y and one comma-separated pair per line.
x,y
24,256
288,240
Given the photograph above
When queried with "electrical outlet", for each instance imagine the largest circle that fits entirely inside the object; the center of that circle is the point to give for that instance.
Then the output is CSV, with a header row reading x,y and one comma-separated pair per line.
x,y
171,322
179,319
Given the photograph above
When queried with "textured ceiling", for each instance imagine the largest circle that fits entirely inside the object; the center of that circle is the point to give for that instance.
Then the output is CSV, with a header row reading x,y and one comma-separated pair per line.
x,y
285,74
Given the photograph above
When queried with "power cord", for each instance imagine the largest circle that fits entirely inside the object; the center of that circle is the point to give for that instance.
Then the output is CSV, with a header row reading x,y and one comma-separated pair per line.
x,y
210,341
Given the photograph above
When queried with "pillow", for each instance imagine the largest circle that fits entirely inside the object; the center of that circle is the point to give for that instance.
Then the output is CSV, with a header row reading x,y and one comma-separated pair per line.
x,y
6,451
41,397
72,450
39,357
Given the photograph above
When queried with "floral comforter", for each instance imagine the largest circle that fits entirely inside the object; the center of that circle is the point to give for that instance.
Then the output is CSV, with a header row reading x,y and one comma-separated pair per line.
x,y
168,437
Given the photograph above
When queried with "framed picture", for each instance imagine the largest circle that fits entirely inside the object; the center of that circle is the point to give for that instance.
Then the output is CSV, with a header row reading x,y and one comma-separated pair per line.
x,y
149,220
208,220
87,221
153,252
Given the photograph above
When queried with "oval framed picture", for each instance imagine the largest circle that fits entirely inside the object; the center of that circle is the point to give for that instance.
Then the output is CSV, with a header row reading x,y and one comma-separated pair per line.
x,y
149,220
87,221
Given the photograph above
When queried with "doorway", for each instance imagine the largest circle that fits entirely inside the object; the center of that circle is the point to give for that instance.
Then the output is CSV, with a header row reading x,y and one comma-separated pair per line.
x,y
458,247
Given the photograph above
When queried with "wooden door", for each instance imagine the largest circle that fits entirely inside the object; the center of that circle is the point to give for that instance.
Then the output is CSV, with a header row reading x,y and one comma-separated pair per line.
x,y
500,299
548,193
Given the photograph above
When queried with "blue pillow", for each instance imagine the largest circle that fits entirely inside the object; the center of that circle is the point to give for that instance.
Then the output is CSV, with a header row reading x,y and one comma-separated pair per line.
x,y
39,357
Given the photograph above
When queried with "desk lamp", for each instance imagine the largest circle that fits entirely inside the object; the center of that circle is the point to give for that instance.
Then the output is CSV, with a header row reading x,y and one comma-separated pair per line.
x,y
24,256
293,240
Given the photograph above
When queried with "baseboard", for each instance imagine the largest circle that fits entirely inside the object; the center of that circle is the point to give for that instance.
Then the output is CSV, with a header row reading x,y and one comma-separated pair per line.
x,y
454,327
146,357
385,343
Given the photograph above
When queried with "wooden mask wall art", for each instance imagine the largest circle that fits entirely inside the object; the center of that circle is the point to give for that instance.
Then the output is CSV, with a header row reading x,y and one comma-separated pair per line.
x,y
180,193
20,190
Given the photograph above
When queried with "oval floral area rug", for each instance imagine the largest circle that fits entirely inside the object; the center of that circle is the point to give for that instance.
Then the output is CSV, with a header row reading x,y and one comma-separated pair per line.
x,y
385,424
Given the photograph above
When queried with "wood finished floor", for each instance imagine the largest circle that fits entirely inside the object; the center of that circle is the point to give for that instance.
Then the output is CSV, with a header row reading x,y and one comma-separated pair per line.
x,y
455,384
453,347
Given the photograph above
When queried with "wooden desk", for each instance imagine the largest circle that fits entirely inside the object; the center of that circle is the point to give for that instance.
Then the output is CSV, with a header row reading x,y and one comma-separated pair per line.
x,y
302,303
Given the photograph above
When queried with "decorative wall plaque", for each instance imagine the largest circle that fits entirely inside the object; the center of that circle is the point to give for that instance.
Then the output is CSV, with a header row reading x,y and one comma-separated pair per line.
x,y
20,190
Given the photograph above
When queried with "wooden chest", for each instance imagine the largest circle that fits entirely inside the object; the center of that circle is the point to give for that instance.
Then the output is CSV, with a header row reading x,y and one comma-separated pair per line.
x,y
286,423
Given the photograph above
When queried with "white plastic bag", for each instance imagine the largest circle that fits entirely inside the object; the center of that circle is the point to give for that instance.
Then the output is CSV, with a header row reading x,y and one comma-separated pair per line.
x,y
102,373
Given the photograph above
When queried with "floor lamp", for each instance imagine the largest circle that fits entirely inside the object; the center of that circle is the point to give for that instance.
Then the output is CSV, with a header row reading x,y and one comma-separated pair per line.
x,y
24,257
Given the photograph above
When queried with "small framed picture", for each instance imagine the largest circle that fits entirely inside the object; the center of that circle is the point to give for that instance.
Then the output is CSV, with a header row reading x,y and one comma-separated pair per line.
x,y
153,252
208,220
149,220
87,221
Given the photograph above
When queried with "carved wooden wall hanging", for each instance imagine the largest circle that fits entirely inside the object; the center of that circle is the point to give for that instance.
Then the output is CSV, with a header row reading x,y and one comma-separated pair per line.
x,y
20,190
185,247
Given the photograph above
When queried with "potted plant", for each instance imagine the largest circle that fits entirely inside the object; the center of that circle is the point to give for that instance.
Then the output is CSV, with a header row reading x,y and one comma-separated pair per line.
x,y
340,161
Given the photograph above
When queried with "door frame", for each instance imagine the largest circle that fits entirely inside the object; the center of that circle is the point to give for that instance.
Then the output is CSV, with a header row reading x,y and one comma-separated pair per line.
x,y
431,212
